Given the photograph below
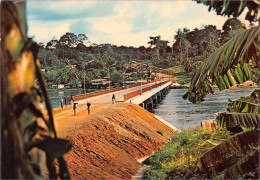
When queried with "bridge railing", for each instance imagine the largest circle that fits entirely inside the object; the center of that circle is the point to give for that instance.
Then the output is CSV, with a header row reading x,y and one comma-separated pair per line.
x,y
93,94
140,91
98,93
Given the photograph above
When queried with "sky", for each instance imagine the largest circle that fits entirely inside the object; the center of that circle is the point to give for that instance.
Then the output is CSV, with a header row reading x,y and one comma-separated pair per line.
x,y
128,23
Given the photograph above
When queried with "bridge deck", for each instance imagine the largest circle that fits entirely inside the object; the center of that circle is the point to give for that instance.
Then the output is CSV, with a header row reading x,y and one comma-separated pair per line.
x,y
141,98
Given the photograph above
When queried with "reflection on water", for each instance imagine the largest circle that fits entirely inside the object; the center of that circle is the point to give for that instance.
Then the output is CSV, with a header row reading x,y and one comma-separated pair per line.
x,y
183,114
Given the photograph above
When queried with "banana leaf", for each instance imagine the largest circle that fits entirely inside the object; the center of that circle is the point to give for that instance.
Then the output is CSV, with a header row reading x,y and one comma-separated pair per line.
x,y
222,156
243,107
234,120
246,167
233,8
241,55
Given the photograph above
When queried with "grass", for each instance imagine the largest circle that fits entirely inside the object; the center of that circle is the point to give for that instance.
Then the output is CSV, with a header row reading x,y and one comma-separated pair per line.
x,y
178,159
177,69
147,136
183,79
159,132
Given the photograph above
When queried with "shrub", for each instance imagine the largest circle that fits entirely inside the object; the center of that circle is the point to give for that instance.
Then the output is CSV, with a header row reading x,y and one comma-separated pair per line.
x,y
178,158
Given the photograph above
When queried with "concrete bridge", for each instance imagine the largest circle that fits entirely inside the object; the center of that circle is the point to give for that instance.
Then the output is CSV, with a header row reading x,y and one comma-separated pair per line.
x,y
151,97
146,95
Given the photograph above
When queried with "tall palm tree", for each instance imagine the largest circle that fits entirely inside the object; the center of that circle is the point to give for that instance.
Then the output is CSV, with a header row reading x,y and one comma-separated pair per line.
x,y
155,42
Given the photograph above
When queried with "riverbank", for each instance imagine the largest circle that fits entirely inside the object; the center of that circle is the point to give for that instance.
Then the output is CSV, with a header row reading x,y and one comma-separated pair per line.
x,y
179,158
108,143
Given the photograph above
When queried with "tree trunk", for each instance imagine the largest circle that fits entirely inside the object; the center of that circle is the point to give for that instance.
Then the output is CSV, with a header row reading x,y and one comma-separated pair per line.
x,y
26,130
181,52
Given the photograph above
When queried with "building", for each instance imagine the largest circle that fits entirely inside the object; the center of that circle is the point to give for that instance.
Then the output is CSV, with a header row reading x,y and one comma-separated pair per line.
x,y
100,83
55,86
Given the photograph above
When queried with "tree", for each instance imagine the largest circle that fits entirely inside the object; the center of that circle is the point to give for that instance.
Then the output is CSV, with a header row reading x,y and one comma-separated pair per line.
x,y
234,8
235,59
27,134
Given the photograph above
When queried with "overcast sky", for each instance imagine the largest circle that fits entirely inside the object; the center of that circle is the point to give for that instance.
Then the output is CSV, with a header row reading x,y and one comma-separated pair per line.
x,y
128,23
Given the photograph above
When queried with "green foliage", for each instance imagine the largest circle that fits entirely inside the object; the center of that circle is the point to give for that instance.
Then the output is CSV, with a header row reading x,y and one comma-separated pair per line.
x,y
177,69
147,136
178,159
233,8
242,113
232,62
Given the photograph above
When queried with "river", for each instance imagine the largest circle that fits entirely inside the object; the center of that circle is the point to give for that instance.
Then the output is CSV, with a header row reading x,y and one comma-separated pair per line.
x,y
56,95
183,114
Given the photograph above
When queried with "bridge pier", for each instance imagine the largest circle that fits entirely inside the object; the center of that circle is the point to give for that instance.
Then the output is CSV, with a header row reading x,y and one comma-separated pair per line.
x,y
149,100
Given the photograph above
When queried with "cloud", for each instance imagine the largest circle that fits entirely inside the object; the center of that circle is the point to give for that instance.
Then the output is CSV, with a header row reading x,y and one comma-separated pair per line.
x,y
111,25
117,22
44,32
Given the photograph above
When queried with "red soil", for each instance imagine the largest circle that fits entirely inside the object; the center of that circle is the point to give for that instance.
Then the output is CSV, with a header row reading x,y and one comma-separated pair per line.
x,y
108,142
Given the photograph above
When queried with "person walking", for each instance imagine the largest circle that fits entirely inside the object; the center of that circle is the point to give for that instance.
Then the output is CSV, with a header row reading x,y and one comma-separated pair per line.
x,y
61,102
113,99
71,98
70,101
74,108
65,101
88,105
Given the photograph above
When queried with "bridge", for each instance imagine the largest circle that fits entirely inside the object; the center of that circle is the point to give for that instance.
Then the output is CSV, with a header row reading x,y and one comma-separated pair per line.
x,y
146,94
149,96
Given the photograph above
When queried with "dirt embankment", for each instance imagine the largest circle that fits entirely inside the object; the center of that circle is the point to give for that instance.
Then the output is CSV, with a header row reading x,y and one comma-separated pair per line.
x,y
108,143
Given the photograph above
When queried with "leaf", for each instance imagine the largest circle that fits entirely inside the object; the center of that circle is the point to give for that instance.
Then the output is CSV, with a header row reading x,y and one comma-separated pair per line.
x,y
233,120
214,142
245,165
219,158
238,51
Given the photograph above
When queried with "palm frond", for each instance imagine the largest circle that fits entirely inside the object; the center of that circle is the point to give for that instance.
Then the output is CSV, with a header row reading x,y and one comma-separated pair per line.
x,y
234,120
231,63
219,158
243,107
246,167
233,8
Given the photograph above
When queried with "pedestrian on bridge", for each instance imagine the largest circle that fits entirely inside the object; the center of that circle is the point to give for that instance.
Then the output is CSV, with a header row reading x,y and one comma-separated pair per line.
x,y
74,108
88,105
61,102
113,99
65,101
71,97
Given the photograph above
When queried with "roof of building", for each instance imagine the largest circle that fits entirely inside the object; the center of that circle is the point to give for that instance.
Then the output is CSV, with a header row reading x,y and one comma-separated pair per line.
x,y
160,75
106,82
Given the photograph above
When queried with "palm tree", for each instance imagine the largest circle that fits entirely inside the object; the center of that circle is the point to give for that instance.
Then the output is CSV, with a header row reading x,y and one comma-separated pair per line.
x,y
154,42
231,63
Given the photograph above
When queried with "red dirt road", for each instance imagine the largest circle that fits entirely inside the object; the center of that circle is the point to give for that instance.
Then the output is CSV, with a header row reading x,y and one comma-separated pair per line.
x,y
108,143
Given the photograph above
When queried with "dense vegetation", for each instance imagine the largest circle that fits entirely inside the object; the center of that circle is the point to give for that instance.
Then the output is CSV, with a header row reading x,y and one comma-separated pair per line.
x,y
188,51
180,156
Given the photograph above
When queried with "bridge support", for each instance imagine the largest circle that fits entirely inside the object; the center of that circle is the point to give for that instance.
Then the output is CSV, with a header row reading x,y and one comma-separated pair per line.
x,y
151,99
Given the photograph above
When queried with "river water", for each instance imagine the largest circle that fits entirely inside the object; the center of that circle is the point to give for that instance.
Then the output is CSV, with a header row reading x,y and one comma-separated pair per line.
x,y
55,96
183,114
